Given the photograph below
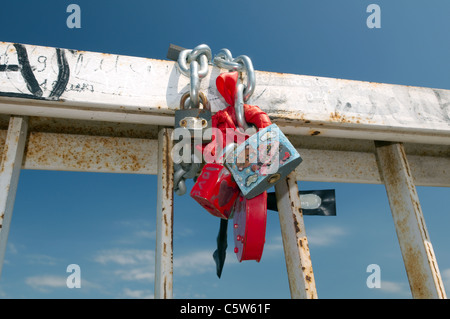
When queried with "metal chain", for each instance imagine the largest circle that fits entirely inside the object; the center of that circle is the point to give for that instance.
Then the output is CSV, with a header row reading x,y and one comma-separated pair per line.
x,y
195,65
198,68
182,172
241,64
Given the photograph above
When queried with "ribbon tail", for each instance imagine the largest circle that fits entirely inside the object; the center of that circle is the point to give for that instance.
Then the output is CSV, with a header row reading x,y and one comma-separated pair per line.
x,y
220,253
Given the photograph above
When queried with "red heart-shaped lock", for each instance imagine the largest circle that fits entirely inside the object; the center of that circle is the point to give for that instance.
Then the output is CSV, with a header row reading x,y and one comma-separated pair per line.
x,y
250,216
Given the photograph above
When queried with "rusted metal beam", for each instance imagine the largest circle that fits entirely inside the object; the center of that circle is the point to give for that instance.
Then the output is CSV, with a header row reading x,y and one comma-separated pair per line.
x,y
11,163
70,152
415,243
104,87
116,154
296,250
164,218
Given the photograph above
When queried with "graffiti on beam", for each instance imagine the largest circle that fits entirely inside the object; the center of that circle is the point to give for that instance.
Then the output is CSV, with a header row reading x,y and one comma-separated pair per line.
x,y
44,73
27,72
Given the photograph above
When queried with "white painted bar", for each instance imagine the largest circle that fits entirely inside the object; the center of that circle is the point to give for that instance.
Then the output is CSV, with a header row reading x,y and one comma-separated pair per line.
x,y
105,87
296,251
11,163
164,218
418,255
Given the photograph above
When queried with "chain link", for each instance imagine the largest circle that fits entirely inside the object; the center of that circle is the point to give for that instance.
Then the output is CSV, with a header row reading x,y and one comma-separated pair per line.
x,y
224,60
198,60
242,63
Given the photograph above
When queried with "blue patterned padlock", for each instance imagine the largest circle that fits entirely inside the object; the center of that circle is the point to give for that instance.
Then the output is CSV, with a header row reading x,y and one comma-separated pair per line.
x,y
262,160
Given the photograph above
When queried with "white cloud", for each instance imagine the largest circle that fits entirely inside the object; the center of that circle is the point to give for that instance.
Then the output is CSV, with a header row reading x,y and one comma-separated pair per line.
x,y
274,244
445,274
46,282
138,294
137,274
12,248
194,263
136,230
40,259
146,234
138,264
318,236
399,288
324,235
126,256
134,264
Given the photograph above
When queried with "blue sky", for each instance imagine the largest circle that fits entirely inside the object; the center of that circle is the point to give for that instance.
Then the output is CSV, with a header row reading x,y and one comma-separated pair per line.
x,y
106,222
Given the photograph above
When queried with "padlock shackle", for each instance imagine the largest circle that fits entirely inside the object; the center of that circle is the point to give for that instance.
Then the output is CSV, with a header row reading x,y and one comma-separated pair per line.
x,y
202,97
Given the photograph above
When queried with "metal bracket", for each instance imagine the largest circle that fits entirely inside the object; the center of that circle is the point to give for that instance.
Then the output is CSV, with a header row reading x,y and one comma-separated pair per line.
x,y
174,52
315,202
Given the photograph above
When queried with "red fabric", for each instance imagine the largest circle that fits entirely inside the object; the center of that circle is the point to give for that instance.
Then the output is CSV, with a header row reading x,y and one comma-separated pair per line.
x,y
226,119
226,85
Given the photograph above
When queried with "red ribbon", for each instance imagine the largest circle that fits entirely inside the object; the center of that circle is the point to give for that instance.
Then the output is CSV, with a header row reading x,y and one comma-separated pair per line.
x,y
225,119
226,85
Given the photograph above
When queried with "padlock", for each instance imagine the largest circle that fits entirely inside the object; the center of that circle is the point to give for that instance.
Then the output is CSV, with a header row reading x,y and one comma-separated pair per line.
x,y
262,160
249,227
197,121
216,190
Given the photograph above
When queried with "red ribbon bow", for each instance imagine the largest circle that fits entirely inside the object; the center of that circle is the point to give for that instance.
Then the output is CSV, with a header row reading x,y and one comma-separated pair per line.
x,y
226,119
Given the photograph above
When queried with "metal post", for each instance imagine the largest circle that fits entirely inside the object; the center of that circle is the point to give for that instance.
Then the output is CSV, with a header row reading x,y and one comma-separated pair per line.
x,y
11,164
298,260
418,255
164,218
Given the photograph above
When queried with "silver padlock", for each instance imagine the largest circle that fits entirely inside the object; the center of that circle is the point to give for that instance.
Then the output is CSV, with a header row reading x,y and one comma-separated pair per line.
x,y
197,121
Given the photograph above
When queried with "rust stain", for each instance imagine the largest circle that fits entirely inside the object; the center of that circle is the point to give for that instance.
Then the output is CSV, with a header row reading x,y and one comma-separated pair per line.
x,y
167,164
375,84
405,160
438,278
85,152
314,133
296,226
171,232
337,117
164,288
